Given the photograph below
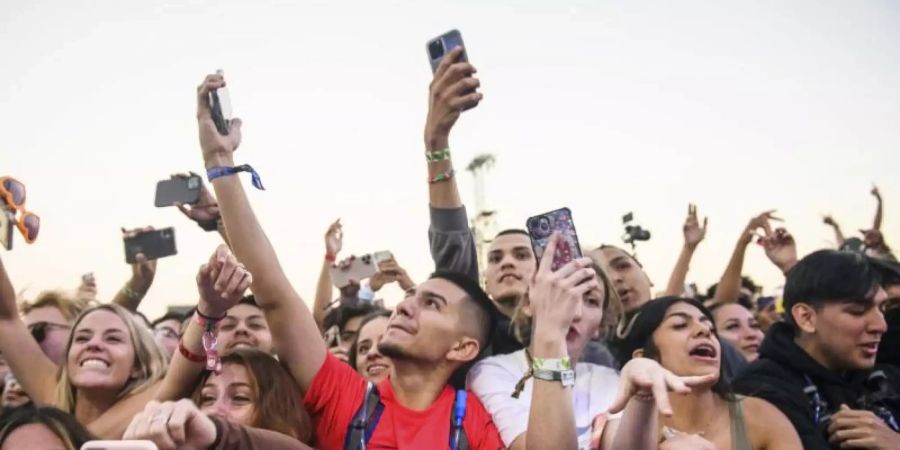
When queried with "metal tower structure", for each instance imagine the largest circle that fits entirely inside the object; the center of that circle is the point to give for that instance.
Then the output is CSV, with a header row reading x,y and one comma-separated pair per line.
x,y
484,220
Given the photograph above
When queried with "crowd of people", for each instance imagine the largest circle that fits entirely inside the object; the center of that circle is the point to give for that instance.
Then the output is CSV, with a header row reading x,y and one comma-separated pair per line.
x,y
583,357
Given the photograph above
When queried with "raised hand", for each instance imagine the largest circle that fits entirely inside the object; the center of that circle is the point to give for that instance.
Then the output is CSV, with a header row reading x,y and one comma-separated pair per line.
x,y
852,428
205,210
217,149
645,378
781,249
827,219
88,287
452,90
876,193
390,272
760,221
693,232
143,271
334,239
222,282
554,297
173,425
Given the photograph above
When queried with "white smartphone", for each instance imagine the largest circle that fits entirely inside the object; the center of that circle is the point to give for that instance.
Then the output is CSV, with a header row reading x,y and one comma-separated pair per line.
x,y
359,269
119,445
6,227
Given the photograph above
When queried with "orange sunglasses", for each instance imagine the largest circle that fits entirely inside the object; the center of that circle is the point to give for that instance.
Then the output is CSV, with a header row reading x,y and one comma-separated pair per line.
x,y
13,193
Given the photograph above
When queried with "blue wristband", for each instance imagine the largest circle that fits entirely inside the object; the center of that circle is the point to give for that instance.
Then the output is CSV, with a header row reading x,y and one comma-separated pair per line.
x,y
216,172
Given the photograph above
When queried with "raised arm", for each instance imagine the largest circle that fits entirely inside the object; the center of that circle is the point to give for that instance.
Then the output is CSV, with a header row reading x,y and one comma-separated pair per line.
x,y
33,370
693,235
334,242
294,330
555,298
452,90
838,234
729,289
879,210
221,283
142,274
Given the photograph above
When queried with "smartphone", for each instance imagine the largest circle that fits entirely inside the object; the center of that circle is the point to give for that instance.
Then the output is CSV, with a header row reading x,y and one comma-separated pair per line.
x,y
443,44
220,106
119,445
7,219
153,244
358,270
179,189
542,226
382,256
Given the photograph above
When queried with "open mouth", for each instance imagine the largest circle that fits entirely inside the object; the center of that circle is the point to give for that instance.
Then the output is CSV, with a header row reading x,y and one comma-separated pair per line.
x,y
241,344
509,276
870,349
704,351
624,295
94,363
376,369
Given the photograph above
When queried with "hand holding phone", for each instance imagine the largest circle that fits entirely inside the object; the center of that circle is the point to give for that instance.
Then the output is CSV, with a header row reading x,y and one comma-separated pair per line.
x,y
542,226
220,107
451,91
153,244
180,189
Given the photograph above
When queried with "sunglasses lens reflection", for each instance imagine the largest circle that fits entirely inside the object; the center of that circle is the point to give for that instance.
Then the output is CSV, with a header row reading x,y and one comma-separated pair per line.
x,y
16,189
32,226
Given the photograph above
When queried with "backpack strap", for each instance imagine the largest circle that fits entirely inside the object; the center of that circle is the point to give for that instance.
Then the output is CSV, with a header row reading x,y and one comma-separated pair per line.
x,y
364,421
458,438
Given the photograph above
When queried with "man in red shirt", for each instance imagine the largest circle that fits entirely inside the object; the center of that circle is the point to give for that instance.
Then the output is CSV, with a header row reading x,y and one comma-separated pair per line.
x,y
437,331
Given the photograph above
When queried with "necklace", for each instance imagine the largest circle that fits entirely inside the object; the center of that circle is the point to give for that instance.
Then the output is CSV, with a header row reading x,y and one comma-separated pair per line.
x,y
670,432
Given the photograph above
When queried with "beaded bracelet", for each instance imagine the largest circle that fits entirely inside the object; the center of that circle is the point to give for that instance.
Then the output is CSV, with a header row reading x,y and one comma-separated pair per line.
x,y
443,176
438,155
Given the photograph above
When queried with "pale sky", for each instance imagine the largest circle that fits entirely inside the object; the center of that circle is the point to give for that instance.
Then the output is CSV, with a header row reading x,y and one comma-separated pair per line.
x,y
602,106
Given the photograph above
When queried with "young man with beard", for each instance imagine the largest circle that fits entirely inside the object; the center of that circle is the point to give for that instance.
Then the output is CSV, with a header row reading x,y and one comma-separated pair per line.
x,y
818,367
441,326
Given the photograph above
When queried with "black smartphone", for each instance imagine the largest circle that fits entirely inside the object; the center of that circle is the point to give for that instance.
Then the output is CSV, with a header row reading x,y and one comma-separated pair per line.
x,y
220,107
542,226
153,244
443,44
179,189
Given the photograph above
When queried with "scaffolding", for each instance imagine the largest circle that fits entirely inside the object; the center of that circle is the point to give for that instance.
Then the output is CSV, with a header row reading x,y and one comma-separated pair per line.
x,y
484,220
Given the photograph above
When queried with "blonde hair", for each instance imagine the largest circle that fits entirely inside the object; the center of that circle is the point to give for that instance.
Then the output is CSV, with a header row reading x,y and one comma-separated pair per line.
x,y
613,311
69,306
149,359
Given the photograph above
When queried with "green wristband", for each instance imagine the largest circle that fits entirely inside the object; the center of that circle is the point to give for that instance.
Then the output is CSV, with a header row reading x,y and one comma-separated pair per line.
x,y
438,155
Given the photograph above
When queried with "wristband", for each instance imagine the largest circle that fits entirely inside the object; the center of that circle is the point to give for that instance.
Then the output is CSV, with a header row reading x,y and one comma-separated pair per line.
x,y
330,258
551,364
566,377
216,172
443,176
131,293
203,320
438,155
190,356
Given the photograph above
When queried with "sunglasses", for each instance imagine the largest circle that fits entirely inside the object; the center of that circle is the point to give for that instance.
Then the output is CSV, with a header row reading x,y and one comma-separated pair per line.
x,y
12,191
39,329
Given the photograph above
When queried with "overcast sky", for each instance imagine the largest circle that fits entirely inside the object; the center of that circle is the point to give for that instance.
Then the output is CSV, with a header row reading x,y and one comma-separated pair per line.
x,y
602,106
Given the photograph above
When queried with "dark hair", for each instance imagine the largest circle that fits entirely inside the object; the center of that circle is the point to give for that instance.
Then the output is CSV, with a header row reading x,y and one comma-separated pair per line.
x,y
647,319
277,407
168,316
342,314
143,318
512,231
486,315
248,300
746,282
633,258
370,317
62,424
829,276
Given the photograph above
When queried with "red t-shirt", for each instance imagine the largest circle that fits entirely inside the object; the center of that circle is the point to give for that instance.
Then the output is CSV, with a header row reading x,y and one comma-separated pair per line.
x,y
337,392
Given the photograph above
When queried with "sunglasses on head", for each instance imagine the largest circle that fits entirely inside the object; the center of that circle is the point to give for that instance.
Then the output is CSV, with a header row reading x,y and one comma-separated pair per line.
x,y
12,191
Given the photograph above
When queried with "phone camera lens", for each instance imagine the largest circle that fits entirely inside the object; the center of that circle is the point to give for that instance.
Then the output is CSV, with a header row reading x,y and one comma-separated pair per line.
x,y
436,49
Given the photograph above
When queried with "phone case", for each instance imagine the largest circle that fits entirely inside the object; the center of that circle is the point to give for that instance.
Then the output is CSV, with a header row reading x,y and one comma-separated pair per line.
x,y
382,256
445,42
153,244
542,226
359,269
185,190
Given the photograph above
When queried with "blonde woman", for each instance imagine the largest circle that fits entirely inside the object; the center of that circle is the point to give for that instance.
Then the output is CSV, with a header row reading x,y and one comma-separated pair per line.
x,y
112,365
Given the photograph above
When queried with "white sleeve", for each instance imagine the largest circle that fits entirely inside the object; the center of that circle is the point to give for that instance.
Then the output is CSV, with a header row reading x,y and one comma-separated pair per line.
x,y
493,382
